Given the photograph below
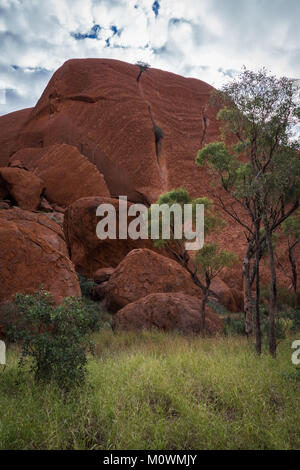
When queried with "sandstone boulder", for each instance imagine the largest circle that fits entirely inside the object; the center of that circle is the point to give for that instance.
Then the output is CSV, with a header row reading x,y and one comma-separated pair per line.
x,y
232,299
87,252
11,126
23,186
102,275
67,174
143,272
33,252
167,312
112,114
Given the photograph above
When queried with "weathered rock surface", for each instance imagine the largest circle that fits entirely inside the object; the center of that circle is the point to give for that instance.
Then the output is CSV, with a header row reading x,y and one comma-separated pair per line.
x,y
167,312
87,252
11,126
67,174
143,272
109,112
24,187
102,275
33,252
231,298
100,107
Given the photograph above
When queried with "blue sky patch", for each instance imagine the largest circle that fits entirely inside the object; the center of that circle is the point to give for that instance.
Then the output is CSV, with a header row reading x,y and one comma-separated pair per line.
x,y
92,34
156,7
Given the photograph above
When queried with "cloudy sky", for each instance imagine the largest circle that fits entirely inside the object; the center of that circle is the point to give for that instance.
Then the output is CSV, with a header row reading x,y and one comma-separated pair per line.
x,y
206,39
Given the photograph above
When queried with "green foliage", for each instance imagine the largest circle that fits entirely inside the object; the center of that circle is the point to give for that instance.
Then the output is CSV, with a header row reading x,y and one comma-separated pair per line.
x,y
284,296
143,65
159,391
181,197
234,325
158,132
210,260
291,226
86,285
262,166
54,339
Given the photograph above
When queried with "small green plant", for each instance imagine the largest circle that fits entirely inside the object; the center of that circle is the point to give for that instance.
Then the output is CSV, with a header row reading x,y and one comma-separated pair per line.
x,y
54,339
142,65
234,325
86,285
158,132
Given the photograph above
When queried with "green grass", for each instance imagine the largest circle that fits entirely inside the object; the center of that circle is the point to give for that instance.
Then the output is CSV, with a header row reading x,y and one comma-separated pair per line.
x,y
158,391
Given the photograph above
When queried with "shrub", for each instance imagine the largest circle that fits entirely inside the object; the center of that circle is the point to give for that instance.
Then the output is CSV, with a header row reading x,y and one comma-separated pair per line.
x,y
143,66
158,132
234,325
54,339
86,285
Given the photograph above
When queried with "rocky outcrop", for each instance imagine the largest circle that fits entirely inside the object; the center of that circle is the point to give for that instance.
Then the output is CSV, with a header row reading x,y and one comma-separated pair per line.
x,y
66,173
143,272
167,312
23,186
141,139
231,298
87,252
33,253
11,126
102,275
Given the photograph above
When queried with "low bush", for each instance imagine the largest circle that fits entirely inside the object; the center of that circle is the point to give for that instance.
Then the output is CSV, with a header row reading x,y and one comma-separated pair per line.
x,y
54,339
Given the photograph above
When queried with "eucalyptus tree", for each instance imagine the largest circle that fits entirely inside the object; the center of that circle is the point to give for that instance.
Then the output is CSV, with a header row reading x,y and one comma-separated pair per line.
x,y
257,164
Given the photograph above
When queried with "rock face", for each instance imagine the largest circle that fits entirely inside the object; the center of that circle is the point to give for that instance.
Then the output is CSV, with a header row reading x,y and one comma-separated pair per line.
x,y
167,312
102,128
24,186
102,275
143,272
87,252
33,253
11,126
67,174
231,298
113,115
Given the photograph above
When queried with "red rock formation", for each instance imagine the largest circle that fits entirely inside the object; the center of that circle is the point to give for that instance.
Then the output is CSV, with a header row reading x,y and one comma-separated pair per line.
x,y
67,174
87,252
143,272
24,186
167,312
102,275
33,253
109,112
99,106
11,126
231,298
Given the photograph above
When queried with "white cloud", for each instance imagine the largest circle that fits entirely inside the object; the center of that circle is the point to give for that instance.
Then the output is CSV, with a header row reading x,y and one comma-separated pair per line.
x,y
204,39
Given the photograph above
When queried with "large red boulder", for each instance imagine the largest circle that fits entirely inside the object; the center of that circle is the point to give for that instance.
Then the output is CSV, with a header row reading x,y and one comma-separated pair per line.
x,y
11,126
24,186
143,272
87,251
231,298
33,252
166,312
66,173
131,127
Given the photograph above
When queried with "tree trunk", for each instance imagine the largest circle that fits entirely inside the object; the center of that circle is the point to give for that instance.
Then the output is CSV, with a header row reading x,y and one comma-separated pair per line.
x,y
257,293
257,302
247,294
294,273
273,294
203,313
